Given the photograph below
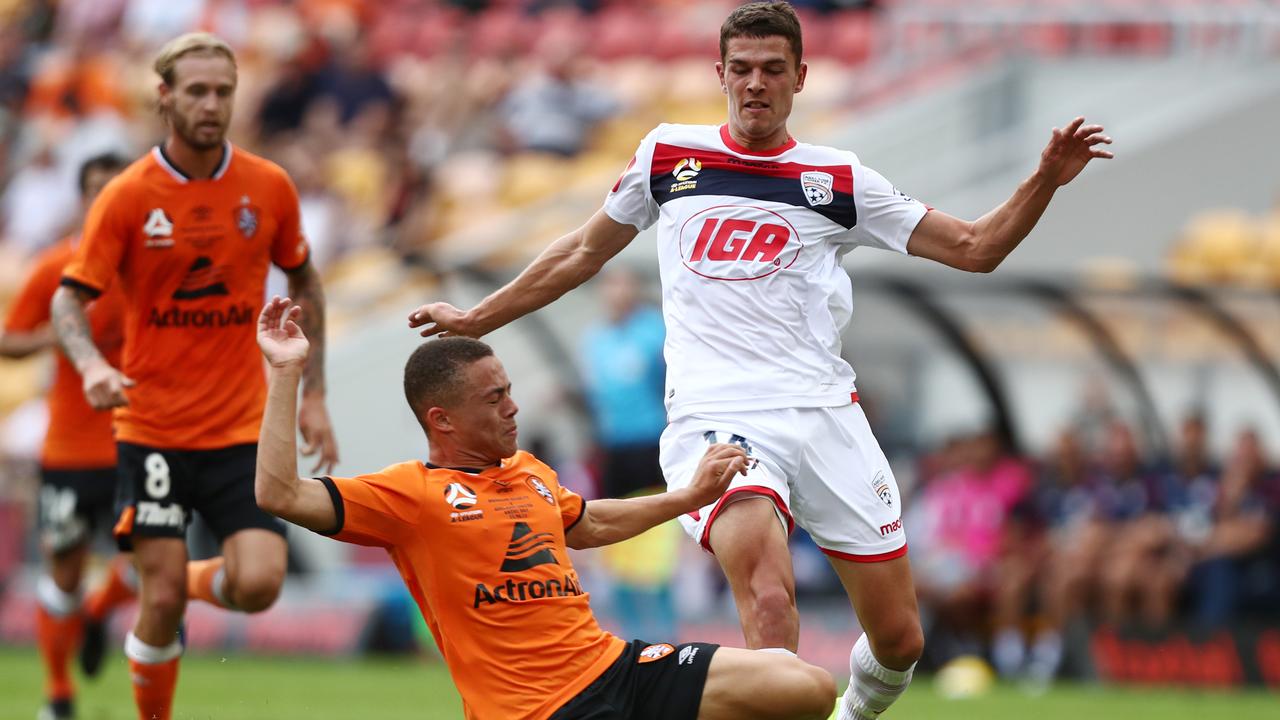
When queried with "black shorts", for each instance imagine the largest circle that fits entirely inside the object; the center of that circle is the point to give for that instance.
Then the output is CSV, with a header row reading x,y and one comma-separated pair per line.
x,y
73,503
160,488
649,681
630,470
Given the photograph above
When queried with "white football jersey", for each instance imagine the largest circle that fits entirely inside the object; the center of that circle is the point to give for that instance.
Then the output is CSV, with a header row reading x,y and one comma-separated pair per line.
x,y
749,250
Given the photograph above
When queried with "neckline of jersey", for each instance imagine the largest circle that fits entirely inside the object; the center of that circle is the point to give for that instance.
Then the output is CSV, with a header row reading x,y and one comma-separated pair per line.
x,y
467,470
181,176
733,145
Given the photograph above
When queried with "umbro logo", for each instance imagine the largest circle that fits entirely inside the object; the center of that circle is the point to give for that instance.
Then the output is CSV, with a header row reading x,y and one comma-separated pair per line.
x,y
528,549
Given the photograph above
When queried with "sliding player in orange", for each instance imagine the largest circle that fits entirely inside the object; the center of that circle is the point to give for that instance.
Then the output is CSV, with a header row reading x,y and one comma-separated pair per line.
x,y
77,463
188,232
480,534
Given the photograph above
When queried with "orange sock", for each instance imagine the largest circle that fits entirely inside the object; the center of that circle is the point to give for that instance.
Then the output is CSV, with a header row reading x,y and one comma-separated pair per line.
x,y
58,637
201,575
116,591
153,688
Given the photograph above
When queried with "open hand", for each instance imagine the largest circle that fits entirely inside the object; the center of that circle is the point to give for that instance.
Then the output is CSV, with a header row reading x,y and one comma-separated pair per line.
x,y
443,319
716,470
1070,149
279,336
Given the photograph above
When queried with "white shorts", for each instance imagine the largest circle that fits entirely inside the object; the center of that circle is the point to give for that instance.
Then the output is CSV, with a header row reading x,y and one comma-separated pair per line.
x,y
821,467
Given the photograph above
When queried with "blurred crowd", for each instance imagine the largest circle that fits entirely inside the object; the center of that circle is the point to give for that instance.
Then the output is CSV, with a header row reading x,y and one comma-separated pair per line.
x,y
1012,553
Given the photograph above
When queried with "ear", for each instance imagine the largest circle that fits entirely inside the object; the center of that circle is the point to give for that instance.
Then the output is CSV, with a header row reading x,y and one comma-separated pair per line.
x,y
438,420
800,76
724,88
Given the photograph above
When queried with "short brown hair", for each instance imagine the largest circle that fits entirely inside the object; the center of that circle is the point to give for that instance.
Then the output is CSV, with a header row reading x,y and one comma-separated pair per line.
x,y
199,43
433,375
760,20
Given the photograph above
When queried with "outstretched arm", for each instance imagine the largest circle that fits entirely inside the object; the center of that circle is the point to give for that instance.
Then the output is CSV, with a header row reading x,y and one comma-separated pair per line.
x,y
563,266
104,385
980,246
313,415
608,521
16,345
276,485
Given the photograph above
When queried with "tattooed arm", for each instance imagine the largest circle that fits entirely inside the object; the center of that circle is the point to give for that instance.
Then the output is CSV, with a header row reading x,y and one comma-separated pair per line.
x,y
104,385
307,291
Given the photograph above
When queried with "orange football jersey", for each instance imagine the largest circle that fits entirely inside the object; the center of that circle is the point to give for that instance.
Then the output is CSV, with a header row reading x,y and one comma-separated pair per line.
x,y
484,555
79,437
191,258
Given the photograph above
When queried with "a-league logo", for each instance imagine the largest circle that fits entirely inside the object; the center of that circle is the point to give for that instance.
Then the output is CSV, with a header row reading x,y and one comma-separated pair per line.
x,y
817,187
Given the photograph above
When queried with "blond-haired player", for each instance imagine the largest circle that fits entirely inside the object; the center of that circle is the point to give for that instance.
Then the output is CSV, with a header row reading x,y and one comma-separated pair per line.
x,y
188,232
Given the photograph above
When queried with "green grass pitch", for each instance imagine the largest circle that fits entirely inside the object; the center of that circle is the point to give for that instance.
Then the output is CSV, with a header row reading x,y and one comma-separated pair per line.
x,y
265,688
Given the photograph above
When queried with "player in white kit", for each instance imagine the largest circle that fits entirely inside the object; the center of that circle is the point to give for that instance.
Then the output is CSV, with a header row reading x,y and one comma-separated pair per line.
x,y
752,228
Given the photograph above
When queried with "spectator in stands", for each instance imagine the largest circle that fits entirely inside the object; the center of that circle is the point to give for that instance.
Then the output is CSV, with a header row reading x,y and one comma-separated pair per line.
x,y
37,207
555,111
959,532
625,375
1141,532
1244,516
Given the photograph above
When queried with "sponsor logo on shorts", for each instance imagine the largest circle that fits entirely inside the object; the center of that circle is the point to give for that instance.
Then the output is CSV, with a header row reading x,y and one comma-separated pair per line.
x,y
881,486
687,654
655,652
154,514
891,528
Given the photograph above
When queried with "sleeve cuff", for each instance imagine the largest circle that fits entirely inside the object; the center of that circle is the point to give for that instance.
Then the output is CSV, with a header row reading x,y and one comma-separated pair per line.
x,y
80,285
581,514
338,508
295,268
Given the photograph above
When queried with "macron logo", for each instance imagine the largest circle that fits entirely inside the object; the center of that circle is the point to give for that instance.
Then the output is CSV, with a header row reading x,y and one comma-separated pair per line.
x,y
892,527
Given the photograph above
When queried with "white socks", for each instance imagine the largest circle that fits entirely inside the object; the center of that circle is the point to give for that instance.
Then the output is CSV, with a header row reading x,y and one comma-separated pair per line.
x,y
141,652
872,686
779,651
54,601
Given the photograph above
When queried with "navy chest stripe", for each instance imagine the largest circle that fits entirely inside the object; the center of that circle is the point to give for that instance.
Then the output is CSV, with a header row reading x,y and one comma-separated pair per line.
x,y
788,191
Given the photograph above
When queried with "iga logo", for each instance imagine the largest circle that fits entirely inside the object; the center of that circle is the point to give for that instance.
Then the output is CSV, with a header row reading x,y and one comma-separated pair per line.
x,y
687,169
459,496
738,242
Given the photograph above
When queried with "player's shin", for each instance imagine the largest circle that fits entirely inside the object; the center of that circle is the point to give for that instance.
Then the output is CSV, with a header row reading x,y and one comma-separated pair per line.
x,y
154,672
872,686
57,633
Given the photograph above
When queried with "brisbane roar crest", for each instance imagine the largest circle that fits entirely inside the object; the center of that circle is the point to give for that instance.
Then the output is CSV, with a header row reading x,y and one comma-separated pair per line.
x,y
247,218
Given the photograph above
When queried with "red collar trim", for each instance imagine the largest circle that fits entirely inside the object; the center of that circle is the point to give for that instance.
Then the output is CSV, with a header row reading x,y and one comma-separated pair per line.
x,y
735,147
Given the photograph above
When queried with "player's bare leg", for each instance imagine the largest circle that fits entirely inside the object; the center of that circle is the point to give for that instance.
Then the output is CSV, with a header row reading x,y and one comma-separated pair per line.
x,y
256,561
753,685
153,647
58,626
884,598
751,546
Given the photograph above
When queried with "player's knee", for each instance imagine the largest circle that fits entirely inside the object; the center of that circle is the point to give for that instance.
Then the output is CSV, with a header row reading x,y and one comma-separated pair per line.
x,y
901,647
255,592
165,597
770,604
811,691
